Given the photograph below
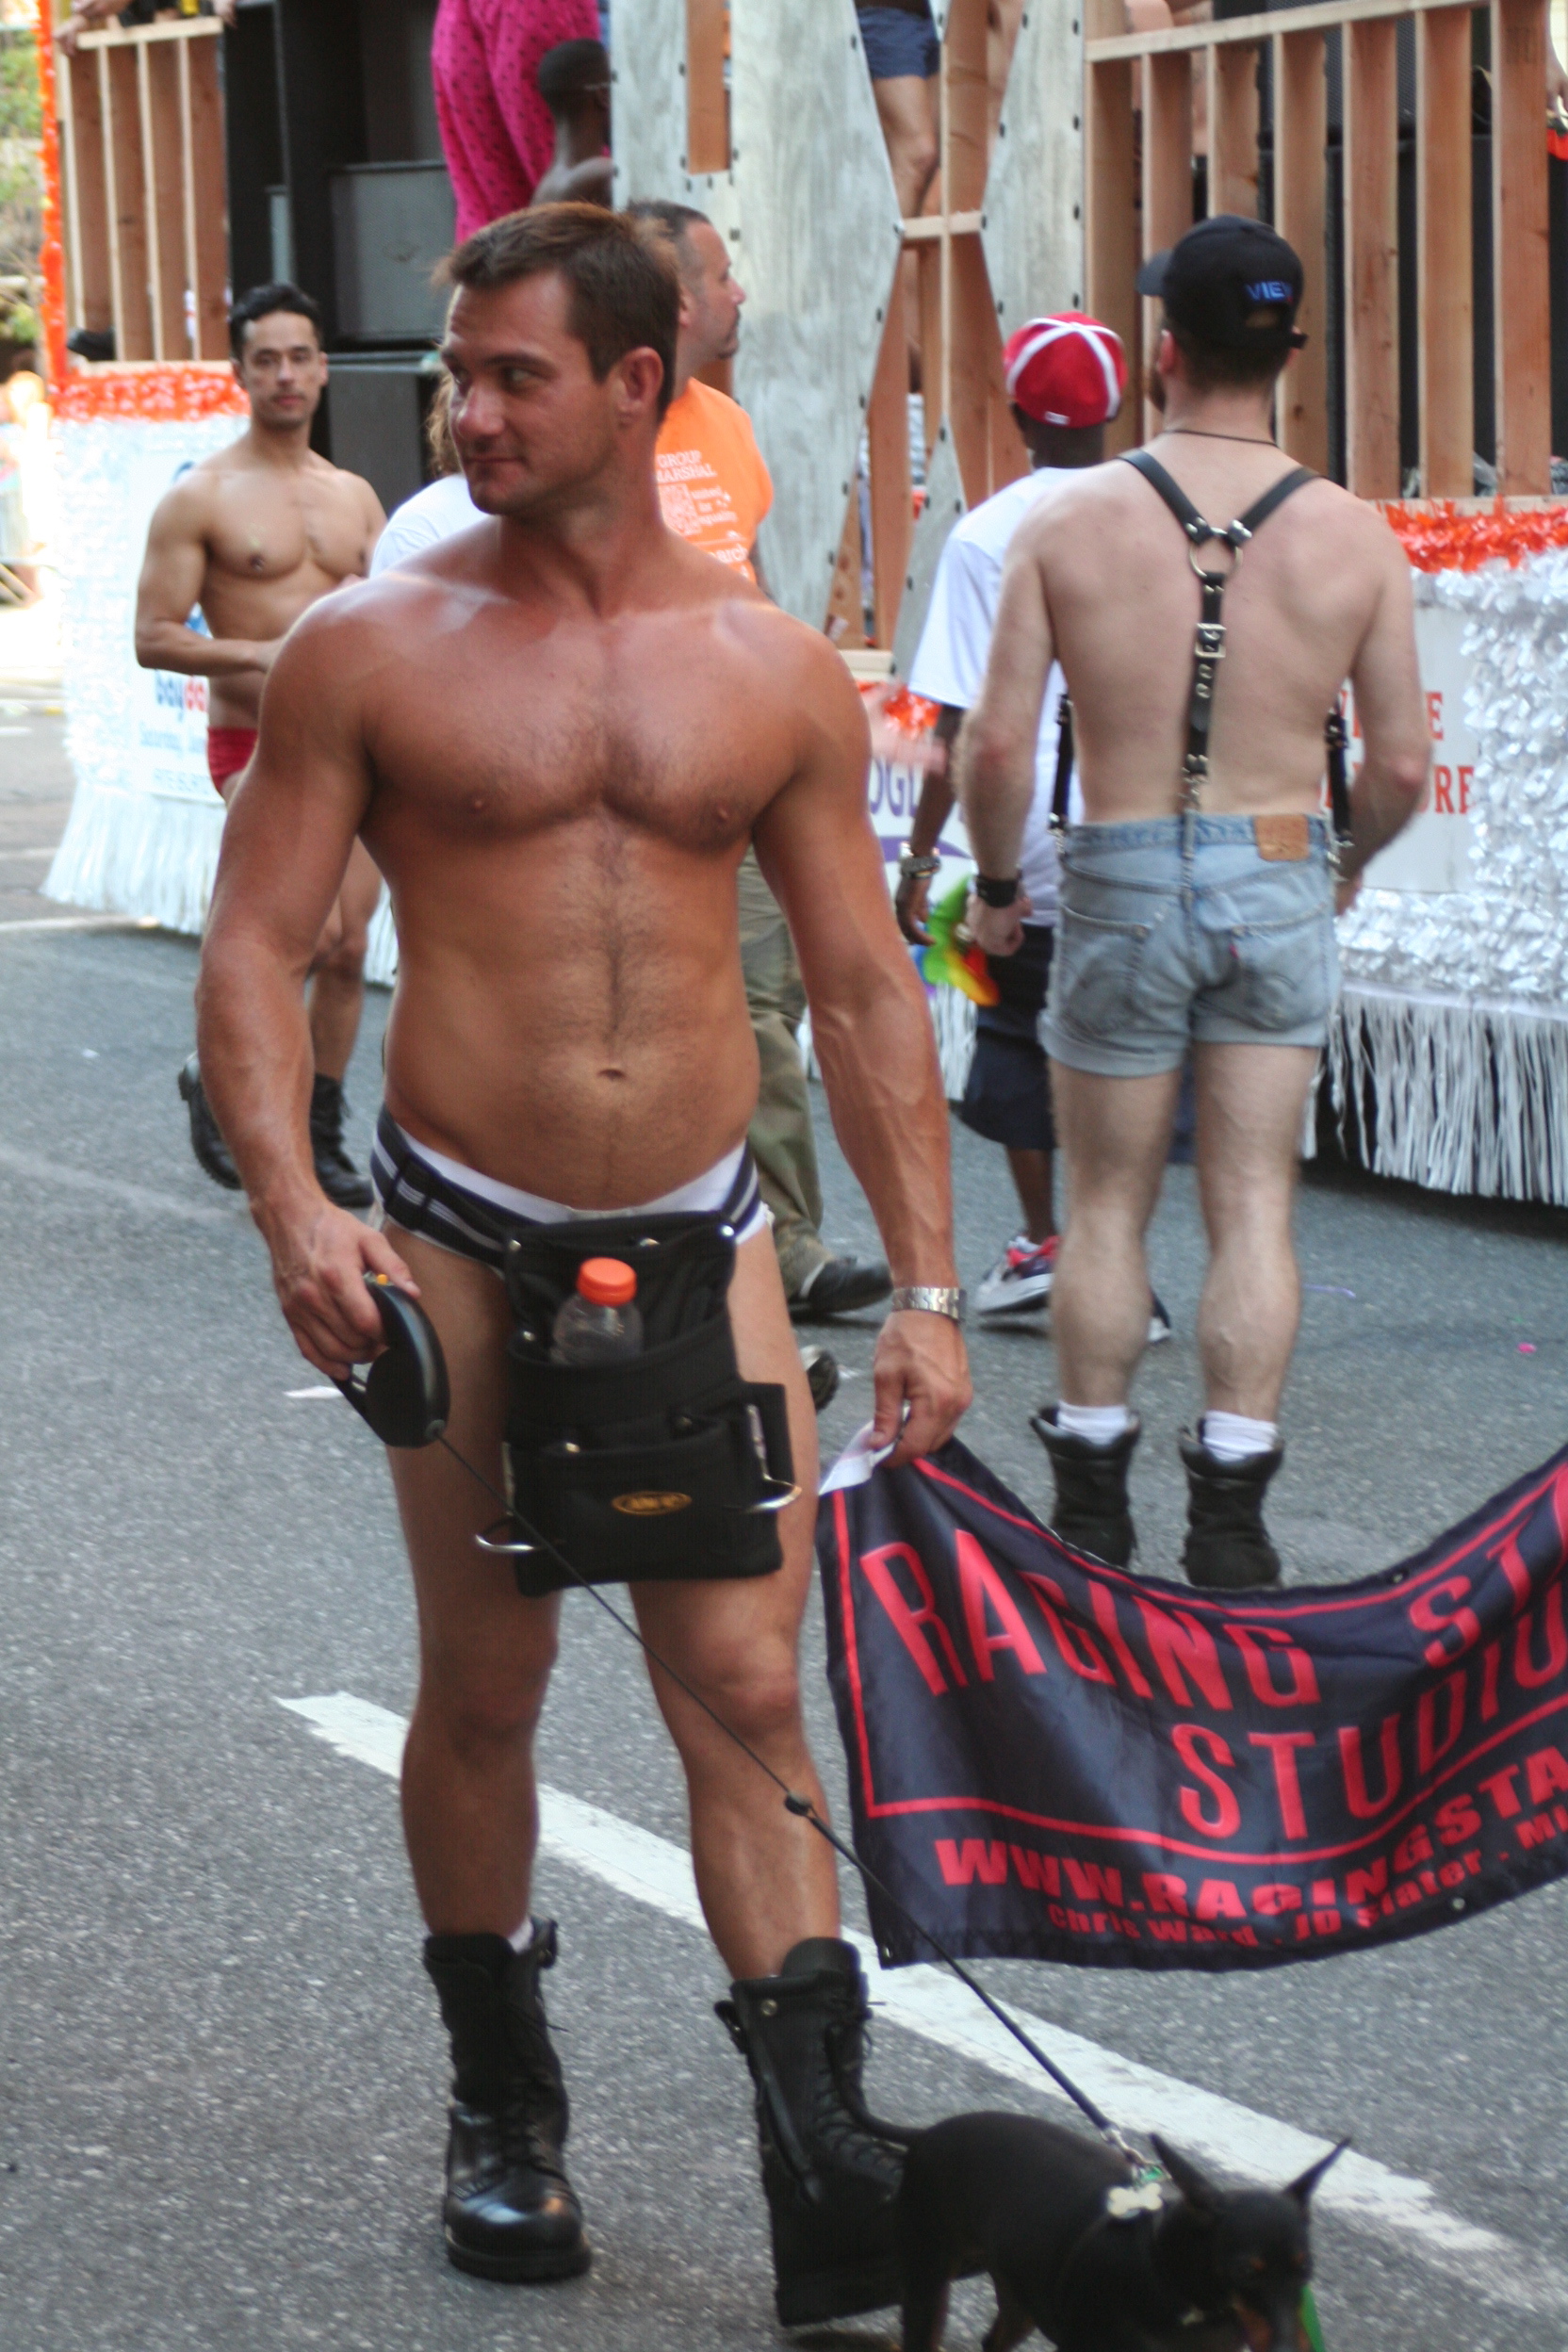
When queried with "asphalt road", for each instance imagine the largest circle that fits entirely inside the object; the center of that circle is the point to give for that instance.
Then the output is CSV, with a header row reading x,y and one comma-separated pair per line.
x,y
220,2068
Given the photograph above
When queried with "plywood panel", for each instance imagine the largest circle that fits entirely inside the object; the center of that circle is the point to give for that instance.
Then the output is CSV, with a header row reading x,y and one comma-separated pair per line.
x,y
1232,81
1031,218
647,53
944,504
1523,308
1444,257
813,200
1371,270
1300,207
892,517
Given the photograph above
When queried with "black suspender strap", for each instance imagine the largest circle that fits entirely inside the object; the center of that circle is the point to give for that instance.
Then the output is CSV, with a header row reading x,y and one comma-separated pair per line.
x,y
1064,765
1209,645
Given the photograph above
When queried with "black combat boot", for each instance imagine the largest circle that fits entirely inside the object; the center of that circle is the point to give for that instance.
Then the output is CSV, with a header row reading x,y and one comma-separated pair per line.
x,y
336,1174
830,2183
510,2211
1091,1512
213,1155
1228,1546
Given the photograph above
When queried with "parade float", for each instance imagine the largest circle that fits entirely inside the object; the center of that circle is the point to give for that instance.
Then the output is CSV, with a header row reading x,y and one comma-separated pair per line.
x,y
1402,148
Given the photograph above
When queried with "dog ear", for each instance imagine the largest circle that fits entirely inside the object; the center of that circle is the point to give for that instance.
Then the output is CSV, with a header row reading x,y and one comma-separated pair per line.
x,y
1200,2194
1301,2189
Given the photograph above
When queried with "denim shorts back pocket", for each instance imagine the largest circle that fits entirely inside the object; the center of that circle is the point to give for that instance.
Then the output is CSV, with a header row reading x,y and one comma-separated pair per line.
x,y
1095,974
1284,975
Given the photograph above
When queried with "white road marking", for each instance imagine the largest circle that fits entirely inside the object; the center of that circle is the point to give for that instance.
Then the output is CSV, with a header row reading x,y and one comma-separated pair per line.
x,y
83,923
929,2003
53,1173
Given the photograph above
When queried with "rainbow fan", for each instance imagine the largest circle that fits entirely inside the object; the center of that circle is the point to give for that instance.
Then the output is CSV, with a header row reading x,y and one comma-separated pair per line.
x,y
947,964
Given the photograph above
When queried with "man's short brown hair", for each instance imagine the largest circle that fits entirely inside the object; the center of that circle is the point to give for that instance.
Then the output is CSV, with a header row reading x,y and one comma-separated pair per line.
x,y
625,297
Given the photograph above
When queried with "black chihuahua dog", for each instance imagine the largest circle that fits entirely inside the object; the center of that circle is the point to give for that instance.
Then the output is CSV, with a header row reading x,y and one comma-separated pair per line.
x,y
1095,2263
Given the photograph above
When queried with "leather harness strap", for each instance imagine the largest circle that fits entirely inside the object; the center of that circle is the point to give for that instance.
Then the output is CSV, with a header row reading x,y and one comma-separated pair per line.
x,y
1209,642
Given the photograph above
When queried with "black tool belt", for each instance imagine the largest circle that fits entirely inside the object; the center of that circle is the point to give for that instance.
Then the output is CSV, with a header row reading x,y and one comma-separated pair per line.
x,y
663,1464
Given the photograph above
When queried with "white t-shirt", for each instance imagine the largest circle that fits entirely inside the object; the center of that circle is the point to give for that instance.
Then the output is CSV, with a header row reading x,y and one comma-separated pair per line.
x,y
956,639
424,520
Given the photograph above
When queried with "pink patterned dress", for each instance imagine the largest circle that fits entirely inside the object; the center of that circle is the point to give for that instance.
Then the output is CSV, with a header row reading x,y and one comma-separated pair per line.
x,y
495,128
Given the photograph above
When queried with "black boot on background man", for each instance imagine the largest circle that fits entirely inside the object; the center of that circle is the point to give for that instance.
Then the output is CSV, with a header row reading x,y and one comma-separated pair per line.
x,y
213,1155
509,2211
830,2183
1091,1513
336,1174
1227,1547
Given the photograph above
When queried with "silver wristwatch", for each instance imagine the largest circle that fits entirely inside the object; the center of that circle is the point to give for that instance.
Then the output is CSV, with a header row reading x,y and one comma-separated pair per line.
x,y
922,1299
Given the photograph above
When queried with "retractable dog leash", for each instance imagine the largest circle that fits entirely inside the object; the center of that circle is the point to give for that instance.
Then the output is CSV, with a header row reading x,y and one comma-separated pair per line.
x,y
405,1401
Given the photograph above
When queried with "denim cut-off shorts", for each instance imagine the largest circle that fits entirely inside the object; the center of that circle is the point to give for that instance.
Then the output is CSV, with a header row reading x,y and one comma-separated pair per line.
x,y
897,43
1179,931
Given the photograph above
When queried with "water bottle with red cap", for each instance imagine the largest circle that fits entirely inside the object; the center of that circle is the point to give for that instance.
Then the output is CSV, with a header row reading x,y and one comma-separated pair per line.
x,y
598,1323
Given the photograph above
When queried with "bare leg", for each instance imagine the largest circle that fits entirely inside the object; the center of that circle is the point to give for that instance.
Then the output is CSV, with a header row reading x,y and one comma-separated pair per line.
x,y
1113,1132
1251,1104
766,1879
337,992
906,109
1031,1181
470,1808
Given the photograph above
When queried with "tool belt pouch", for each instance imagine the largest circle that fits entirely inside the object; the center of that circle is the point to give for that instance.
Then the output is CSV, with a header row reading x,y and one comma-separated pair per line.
x,y
665,1464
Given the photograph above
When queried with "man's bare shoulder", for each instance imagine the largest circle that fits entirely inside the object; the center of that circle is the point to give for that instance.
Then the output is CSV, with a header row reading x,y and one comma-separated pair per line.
x,y
802,663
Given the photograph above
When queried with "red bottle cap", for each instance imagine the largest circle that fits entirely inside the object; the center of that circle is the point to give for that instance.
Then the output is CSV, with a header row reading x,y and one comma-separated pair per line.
x,y
606,1282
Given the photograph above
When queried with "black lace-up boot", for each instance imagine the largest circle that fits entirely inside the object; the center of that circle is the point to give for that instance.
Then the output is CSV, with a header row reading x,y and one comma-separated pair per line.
x,y
1227,1547
510,2211
213,1155
336,1174
1091,1512
830,2183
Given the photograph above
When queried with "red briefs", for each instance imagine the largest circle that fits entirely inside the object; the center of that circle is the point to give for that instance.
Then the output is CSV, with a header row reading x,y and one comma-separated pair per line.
x,y
228,750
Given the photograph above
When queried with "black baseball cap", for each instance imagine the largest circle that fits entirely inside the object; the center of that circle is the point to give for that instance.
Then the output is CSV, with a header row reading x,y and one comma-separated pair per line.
x,y
1230,282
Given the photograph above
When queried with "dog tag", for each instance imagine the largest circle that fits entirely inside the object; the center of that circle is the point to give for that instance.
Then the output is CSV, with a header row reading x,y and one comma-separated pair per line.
x,y
1127,2204
1284,841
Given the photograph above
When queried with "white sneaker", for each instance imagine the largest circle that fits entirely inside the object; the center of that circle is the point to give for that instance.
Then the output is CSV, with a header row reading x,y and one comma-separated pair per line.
x,y
1019,1282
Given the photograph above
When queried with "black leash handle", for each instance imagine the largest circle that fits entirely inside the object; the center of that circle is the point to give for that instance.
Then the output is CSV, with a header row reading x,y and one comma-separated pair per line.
x,y
416,1362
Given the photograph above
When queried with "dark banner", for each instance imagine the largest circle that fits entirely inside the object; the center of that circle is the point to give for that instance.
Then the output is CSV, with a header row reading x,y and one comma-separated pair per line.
x,y
1071,1762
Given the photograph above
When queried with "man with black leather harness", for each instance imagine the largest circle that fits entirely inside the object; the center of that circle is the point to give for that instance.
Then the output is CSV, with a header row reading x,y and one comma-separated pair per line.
x,y
1198,901
557,732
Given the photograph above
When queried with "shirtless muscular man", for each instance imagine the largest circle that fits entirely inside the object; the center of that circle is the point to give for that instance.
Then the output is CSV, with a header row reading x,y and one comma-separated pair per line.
x,y
557,732
254,535
1197,902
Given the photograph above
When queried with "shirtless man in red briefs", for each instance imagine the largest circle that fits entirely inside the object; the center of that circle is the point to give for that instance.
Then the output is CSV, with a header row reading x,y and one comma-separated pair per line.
x,y
255,535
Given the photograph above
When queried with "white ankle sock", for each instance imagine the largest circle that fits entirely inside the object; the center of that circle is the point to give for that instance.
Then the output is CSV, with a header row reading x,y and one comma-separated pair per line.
x,y
1231,1437
1097,1425
521,1937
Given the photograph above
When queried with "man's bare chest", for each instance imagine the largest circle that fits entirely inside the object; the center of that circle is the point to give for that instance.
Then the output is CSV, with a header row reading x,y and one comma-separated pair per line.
x,y
266,531
492,751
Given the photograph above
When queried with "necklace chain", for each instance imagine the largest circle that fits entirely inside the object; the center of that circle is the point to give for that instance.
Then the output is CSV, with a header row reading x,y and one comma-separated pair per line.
x,y
1195,433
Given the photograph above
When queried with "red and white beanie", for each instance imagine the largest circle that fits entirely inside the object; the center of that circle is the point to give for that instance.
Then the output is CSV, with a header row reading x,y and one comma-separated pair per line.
x,y
1067,370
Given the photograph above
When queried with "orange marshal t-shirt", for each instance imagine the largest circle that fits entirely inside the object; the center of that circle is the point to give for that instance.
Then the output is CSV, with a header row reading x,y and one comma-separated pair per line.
x,y
714,486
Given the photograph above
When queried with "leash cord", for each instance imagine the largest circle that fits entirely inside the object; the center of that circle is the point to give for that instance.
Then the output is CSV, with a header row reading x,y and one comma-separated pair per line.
x,y
805,1810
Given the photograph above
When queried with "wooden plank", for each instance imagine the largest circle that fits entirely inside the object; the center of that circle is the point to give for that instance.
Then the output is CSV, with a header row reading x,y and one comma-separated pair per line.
x,y
162,172
931,227
1442,254
1167,180
1317,16
1111,235
1521,303
127,213
1371,261
206,181
974,336
966,108
1300,214
931,278
87,200
893,515
1232,81
137,35
706,99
